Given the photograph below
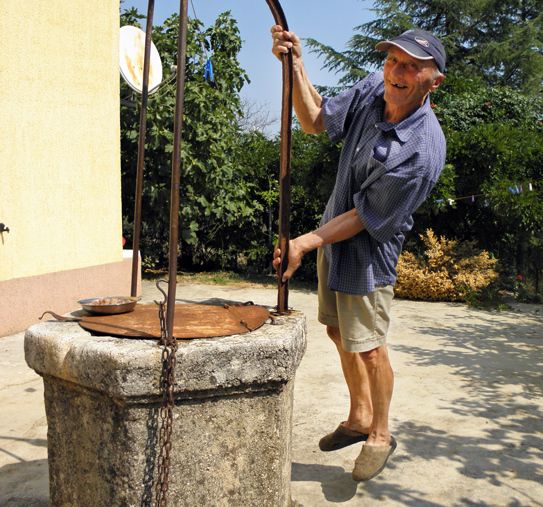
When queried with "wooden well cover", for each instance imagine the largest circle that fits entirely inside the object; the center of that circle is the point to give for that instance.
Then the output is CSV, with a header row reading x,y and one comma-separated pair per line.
x,y
191,321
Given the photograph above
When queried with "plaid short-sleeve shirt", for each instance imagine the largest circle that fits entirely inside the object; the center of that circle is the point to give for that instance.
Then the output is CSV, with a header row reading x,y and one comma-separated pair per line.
x,y
386,171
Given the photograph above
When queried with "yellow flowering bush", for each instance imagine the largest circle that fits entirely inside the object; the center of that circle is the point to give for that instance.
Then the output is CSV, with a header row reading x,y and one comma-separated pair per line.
x,y
449,270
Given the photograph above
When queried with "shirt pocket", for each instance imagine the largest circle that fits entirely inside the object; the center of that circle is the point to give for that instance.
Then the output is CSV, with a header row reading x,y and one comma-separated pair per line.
x,y
367,174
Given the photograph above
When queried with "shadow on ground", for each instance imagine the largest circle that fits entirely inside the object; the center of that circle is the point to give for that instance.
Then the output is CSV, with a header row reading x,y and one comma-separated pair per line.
x,y
18,485
40,442
338,486
497,364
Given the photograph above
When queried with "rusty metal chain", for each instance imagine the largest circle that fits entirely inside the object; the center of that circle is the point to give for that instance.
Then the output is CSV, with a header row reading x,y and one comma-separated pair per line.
x,y
167,384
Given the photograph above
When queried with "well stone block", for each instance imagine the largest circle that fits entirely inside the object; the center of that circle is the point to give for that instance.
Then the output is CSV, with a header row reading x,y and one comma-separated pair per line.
x,y
232,417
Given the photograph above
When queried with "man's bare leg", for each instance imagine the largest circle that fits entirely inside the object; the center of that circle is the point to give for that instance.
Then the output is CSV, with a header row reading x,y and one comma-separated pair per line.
x,y
356,377
381,379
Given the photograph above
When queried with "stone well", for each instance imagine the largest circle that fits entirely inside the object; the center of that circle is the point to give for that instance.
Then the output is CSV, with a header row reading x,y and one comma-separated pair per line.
x,y
232,418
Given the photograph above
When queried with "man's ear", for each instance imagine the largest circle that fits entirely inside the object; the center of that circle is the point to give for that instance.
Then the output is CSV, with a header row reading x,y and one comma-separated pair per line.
x,y
437,81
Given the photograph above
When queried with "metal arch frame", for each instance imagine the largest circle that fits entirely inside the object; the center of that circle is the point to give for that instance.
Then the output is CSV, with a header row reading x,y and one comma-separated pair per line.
x,y
285,154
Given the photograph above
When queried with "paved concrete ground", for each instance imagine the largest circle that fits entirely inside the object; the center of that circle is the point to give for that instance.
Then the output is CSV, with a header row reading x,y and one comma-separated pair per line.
x,y
467,410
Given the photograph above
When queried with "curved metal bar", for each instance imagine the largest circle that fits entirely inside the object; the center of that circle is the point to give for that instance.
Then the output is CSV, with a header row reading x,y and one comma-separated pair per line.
x,y
285,154
285,150
141,150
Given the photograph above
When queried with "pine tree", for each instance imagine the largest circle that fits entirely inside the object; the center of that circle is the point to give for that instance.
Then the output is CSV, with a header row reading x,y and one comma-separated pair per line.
x,y
497,40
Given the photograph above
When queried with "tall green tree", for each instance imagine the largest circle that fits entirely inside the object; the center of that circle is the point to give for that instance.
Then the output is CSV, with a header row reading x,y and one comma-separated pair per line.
x,y
499,41
215,198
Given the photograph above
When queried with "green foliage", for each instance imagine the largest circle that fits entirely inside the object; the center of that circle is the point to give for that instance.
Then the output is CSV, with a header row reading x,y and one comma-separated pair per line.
x,y
495,142
462,102
499,42
214,194
313,167
229,188
491,110
229,184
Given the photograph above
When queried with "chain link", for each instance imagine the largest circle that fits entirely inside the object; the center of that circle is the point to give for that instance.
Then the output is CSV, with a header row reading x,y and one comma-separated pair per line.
x,y
167,384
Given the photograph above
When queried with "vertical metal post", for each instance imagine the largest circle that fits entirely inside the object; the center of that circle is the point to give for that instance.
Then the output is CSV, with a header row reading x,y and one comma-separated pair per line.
x,y
284,173
176,166
284,180
141,149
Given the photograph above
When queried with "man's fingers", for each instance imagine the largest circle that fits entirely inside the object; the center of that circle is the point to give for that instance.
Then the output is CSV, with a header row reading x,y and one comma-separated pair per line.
x,y
281,46
286,275
294,263
280,34
292,37
276,258
283,41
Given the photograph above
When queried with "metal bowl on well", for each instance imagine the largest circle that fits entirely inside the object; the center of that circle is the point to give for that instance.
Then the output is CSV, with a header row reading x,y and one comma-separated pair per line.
x,y
109,305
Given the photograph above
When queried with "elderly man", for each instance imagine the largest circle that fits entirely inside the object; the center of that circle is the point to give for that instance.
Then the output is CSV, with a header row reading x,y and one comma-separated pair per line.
x,y
393,153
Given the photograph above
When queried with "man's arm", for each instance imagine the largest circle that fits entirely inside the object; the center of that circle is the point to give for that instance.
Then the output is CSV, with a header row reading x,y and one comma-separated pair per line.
x,y
338,229
306,100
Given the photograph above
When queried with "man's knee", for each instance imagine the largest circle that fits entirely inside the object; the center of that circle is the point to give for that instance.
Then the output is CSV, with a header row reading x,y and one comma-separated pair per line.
x,y
334,334
372,358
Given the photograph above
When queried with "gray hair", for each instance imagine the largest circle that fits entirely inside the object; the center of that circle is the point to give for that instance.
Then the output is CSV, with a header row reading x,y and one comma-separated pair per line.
x,y
437,73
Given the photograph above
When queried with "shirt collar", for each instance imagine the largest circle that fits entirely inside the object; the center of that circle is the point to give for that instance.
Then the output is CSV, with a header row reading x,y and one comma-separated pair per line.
x,y
405,128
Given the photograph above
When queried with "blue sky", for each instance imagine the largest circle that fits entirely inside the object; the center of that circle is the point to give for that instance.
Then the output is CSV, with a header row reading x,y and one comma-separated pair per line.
x,y
330,23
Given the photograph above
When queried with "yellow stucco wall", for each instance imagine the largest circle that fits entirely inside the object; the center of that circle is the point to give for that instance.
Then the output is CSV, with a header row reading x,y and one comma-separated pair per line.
x,y
59,136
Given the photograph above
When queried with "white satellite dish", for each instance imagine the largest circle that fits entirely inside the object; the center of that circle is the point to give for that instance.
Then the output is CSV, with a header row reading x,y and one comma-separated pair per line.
x,y
131,53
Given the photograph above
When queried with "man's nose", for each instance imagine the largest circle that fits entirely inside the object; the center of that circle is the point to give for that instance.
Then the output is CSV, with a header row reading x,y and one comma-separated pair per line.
x,y
399,68
402,70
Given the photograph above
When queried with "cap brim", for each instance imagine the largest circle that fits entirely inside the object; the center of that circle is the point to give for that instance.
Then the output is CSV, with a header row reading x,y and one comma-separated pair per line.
x,y
411,49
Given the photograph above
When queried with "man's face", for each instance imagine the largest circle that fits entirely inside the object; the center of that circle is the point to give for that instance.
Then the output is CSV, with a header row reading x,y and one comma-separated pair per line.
x,y
407,82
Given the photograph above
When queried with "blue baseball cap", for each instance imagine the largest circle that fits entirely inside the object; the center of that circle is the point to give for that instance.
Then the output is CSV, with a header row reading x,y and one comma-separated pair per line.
x,y
419,44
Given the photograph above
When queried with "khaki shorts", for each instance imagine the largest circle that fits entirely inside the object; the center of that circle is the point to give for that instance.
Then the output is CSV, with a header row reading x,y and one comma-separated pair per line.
x,y
362,320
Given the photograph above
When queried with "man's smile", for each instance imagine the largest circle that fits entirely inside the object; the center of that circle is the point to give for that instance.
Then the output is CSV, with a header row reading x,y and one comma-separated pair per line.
x,y
397,85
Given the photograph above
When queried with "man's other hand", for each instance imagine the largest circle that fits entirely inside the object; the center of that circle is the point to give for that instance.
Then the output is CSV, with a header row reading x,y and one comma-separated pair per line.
x,y
295,254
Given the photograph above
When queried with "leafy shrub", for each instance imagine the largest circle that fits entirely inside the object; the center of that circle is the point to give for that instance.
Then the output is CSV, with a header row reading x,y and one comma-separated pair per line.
x,y
448,270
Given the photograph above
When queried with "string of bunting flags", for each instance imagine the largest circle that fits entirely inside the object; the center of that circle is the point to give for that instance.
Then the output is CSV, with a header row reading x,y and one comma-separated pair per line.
x,y
514,189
